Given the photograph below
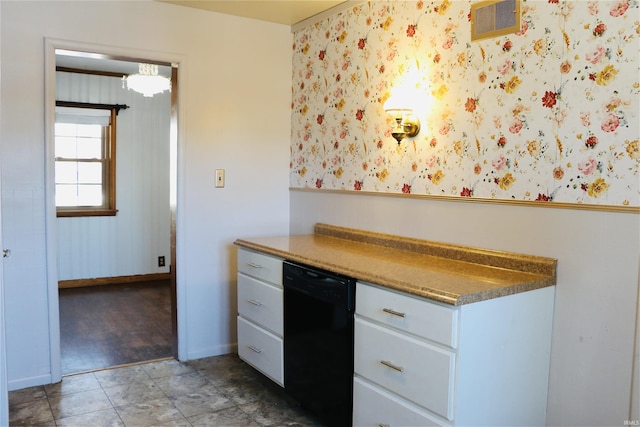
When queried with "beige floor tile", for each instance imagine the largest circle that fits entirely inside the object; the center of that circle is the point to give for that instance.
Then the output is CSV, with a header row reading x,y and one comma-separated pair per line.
x,y
243,391
26,395
181,384
83,402
72,384
36,412
149,413
103,418
232,417
127,374
134,392
167,368
206,399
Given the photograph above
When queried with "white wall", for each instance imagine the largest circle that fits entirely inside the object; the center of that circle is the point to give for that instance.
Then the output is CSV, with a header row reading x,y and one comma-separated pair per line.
x,y
598,257
130,242
234,106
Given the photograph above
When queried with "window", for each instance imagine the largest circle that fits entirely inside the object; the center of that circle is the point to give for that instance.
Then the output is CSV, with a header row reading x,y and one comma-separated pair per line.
x,y
85,145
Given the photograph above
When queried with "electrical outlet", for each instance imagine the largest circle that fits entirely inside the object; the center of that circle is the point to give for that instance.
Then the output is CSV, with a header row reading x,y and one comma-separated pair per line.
x,y
160,261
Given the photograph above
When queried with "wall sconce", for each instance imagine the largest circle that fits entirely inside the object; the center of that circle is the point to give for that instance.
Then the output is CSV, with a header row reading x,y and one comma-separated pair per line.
x,y
407,124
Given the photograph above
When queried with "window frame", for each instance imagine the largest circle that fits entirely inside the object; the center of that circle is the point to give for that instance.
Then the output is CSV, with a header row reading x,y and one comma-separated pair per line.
x,y
108,207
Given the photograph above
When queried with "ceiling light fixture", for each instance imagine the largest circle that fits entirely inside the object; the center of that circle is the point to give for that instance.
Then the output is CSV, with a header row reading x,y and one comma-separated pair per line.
x,y
147,81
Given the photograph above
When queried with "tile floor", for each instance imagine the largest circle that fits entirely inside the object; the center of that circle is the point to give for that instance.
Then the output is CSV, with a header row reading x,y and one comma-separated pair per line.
x,y
215,391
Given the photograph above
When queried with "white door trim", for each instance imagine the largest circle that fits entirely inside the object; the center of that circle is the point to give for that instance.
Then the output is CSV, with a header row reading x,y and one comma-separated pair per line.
x,y
4,393
177,157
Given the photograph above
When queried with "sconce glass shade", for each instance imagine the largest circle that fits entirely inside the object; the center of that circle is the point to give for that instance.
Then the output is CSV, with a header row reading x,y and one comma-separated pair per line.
x,y
407,124
147,81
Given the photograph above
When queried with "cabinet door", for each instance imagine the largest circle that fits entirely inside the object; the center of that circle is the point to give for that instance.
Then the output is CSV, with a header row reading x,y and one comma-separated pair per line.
x,y
416,370
260,266
409,314
261,349
373,406
260,302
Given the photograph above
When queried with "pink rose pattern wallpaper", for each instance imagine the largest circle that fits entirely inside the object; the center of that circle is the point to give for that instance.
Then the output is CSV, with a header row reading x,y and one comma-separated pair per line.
x,y
548,114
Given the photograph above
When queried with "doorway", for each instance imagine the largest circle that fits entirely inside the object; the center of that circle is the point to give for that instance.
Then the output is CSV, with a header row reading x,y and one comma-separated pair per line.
x,y
122,276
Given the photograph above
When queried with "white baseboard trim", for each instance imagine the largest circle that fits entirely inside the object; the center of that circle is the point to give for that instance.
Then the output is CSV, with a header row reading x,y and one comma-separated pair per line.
x,y
21,383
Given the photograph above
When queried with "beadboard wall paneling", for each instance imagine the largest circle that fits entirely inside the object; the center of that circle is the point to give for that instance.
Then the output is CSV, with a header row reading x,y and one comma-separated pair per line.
x,y
129,243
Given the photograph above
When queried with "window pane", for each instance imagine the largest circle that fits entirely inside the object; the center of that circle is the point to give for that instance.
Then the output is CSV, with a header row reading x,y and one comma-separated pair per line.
x,y
94,131
90,173
89,195
66,172
89,148
66,195
66,129
65,147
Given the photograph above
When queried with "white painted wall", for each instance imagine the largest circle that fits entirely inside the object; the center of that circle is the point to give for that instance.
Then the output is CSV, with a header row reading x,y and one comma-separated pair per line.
x,y
130,242
598,257
234,106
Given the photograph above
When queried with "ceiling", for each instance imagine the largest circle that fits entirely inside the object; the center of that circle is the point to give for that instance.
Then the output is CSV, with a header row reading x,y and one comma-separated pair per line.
x,y
288,12
97,62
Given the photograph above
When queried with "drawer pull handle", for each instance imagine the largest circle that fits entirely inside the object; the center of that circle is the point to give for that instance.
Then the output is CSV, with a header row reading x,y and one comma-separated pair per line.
x,y
257,350
254,302
384,425
392,366
254,265
395,313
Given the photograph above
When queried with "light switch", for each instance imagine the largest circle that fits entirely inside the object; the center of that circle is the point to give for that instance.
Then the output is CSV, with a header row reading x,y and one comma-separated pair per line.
x,y
219,178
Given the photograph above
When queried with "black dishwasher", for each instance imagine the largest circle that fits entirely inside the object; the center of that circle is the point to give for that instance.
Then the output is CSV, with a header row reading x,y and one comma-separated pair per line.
x,y
318,342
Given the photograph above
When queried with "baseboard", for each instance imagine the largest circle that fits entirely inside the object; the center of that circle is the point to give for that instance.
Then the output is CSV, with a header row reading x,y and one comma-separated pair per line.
x,y
120,280
20,383
212,351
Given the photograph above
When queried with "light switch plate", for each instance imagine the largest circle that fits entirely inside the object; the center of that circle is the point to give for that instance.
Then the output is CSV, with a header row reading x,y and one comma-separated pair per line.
x,y
219,178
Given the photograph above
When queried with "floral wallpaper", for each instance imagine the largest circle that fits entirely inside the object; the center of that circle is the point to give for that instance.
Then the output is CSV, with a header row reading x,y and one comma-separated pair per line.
x,y
547,114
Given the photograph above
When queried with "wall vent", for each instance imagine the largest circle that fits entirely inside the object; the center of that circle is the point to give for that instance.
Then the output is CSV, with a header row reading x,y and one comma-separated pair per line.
x,y
494,18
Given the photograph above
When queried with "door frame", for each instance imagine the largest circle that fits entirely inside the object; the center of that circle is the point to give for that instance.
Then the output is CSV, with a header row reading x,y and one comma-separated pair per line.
x,y
175,188
4,393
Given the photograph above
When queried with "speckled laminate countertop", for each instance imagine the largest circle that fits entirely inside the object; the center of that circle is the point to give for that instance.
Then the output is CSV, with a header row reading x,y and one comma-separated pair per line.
x,y
450,274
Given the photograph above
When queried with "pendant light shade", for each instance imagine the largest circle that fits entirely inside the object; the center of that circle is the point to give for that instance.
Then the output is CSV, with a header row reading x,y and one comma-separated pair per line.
x,y
147,81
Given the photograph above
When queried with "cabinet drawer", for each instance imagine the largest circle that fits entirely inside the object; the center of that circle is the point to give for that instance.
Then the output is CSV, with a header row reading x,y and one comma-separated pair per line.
x,y
260,302
410,314
417,371
260,266
261,349
375,407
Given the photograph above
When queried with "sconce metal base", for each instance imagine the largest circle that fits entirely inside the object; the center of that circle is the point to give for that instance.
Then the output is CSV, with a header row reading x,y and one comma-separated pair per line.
x,y
406,126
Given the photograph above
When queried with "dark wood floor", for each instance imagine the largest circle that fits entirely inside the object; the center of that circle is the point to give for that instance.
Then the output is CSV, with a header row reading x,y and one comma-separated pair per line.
x,y
111,325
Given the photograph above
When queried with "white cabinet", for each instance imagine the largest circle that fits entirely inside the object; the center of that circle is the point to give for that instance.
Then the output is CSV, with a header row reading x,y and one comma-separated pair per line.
x,y
374,406
418,362
260,313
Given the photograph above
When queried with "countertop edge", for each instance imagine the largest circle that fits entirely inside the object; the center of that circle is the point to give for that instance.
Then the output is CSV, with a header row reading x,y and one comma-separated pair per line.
x,y
538,280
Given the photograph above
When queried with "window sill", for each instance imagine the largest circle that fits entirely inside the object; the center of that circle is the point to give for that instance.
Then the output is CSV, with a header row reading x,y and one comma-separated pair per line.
x,y
63,213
